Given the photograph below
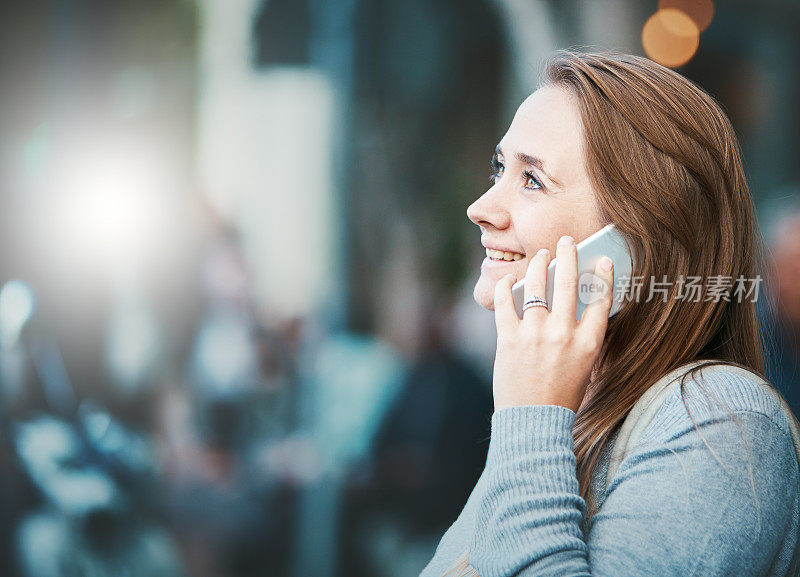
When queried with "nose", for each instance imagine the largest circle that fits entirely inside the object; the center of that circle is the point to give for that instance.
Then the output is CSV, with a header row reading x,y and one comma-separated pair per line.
x,y
489,210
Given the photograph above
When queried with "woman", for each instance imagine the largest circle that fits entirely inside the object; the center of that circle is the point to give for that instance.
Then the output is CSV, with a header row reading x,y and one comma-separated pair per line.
x,y
712,488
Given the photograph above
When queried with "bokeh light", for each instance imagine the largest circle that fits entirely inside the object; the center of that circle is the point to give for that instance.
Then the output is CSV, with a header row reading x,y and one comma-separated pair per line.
x,y
16,306
670,37
700,11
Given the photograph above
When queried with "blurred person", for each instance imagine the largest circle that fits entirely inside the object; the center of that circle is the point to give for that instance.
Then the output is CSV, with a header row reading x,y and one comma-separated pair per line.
x,y
230,496
96,482
426,456
784,326
712,485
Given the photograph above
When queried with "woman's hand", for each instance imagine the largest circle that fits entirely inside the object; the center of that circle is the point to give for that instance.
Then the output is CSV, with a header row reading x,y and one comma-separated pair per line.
x,y
546,358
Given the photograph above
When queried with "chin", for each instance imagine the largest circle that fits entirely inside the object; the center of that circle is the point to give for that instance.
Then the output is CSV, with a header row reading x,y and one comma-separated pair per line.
x,y
484,294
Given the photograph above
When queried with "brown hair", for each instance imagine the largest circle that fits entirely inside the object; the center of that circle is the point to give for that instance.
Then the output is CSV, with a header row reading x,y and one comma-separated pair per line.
x,y
666,168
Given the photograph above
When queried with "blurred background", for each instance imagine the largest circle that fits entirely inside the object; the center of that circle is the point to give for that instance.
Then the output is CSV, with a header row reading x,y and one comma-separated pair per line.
x,y
237,334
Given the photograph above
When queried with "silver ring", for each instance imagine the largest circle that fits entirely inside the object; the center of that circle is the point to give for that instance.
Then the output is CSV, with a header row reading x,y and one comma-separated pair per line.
x,y
534,301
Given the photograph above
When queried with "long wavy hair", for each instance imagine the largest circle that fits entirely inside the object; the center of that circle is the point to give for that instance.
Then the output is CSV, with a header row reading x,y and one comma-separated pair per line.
x,y
666,168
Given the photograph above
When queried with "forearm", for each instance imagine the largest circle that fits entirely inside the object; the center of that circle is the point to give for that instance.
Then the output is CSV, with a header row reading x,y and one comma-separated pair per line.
x,y
531,514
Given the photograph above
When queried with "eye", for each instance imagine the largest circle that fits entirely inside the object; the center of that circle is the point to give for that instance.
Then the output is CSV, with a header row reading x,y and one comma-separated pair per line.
x,y
497,169
531,182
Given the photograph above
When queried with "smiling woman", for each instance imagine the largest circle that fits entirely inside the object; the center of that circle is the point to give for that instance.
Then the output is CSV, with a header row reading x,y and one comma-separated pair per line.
x,y
711,485
539,186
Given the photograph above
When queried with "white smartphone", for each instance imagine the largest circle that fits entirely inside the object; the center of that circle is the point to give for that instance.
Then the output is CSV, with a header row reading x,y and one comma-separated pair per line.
x,y
606,241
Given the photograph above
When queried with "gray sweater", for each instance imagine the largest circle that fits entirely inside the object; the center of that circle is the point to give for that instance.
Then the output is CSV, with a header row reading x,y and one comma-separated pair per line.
x,y
673,508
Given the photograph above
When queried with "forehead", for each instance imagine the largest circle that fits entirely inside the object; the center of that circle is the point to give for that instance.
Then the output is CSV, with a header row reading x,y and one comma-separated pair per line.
x,y
548,125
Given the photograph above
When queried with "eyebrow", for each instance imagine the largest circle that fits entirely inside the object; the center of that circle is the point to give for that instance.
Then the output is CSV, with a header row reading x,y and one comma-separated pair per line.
x,y
531,160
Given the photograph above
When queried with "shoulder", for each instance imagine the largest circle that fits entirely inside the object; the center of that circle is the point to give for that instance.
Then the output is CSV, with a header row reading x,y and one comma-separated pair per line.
x,y
722,431
712,483
723,426
711,396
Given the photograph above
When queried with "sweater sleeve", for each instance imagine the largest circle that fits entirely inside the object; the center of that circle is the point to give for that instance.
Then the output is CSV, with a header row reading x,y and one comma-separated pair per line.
x,y
672,508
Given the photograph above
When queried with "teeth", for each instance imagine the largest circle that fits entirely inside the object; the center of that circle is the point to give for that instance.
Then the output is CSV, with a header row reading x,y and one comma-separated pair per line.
x,y
501,255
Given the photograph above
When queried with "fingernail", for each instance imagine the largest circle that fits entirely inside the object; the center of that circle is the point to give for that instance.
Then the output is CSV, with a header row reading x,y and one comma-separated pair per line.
x,y
543,251
605,263
566,239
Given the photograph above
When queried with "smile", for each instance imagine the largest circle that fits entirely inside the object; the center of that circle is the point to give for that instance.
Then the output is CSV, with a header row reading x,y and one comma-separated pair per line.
x,y
500,255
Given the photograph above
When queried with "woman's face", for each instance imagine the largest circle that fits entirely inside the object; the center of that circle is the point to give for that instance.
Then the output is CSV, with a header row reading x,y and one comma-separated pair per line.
x,y
540,189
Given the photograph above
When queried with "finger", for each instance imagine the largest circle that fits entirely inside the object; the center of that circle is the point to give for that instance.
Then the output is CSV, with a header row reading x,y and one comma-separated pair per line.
x,y
565,283
536,282
595,318
505,315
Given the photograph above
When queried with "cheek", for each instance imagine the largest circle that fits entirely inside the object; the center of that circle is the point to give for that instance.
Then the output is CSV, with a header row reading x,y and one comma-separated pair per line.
x,y
544,239
550,227
543,227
